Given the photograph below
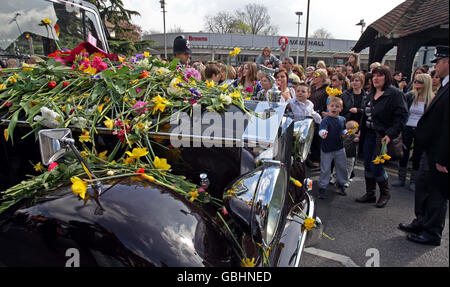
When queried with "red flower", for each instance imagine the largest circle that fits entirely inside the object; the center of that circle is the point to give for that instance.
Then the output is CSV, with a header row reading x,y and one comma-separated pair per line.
x,y
65,84
141,170
8,104
144,74
51,85
52,166
224,211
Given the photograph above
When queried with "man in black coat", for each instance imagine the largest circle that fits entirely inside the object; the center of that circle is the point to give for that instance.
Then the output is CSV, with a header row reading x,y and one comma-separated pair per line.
x,y
432,189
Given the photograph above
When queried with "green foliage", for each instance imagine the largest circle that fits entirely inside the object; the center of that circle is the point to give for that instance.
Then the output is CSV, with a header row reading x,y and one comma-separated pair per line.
x,y
129,48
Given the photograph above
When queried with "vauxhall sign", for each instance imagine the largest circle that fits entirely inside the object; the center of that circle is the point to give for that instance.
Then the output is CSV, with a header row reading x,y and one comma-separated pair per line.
x,y
310,43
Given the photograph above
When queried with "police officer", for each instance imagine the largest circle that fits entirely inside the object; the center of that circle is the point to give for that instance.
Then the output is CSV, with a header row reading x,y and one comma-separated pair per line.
x,y
432,190
182,50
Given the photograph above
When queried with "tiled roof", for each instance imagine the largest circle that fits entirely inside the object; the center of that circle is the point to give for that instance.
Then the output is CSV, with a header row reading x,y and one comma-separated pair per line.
x,y
413,16
410,17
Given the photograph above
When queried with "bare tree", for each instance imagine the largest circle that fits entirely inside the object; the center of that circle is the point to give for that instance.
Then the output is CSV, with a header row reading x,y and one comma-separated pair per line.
x,y
256,16
321,33
176,29
270,31
223,22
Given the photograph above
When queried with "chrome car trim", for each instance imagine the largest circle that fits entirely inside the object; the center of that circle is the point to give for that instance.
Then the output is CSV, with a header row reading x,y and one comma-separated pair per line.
x,y
302,240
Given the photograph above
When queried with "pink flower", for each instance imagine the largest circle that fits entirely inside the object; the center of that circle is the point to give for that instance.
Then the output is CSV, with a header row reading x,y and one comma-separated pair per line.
x,y
249,89
120,135
139,107
8,104
52,166
192,73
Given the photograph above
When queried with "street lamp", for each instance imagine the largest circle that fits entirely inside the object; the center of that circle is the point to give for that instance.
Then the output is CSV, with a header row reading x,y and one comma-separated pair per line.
x,y
362,24
306,37
298,33
163,6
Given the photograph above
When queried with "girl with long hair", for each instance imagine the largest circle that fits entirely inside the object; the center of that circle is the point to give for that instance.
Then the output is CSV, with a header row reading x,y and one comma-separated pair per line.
x,y
418,99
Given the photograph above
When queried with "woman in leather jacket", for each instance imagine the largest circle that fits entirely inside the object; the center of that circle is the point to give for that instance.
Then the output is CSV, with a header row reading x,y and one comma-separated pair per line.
x,y
385,116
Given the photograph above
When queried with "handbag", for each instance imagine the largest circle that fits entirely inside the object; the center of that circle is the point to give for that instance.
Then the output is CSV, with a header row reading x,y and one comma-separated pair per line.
x,y
394,148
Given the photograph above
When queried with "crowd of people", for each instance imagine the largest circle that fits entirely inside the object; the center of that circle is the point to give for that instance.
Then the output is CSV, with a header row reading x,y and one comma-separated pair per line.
x,y
370,110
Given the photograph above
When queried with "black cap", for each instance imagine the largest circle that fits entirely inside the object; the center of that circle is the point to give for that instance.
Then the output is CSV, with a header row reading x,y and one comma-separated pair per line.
x,y
441,52
181,45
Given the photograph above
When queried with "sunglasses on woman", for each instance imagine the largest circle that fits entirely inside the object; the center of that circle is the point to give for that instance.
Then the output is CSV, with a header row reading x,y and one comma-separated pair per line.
x,y
418,81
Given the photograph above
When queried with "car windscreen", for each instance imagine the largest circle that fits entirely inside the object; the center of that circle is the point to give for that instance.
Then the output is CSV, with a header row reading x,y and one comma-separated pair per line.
x,y
22,30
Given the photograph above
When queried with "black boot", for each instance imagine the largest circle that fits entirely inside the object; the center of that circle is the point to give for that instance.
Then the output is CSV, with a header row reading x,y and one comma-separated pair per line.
x,y
369,197
401,177
385,194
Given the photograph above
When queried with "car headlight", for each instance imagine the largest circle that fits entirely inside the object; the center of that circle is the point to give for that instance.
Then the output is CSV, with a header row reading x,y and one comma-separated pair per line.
x,y
257,199
305,131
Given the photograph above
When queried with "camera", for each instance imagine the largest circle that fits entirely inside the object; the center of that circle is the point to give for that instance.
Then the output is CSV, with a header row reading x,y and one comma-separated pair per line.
x,y
404,79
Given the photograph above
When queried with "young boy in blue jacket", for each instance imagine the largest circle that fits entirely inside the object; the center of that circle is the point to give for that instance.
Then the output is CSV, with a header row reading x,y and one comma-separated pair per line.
x,y
332,130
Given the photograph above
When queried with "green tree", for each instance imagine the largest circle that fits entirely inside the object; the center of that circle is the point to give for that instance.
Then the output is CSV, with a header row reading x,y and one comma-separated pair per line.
x,y
114,12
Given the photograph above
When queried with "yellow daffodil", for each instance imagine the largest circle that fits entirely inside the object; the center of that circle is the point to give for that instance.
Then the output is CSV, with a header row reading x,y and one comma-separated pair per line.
x,y
137,153
90,70
2,86
209,84
38,167
309,223
46,21
298,183
193,194
236,95
128,160
102,155
160,104
386,157
146,54
108,123
248,98
85,137
224,86
161,163
12,80
100,108
235,52
85,154
5,134
193,83
121,59
246,262
79,186
377,160
148,177
134,82
27,67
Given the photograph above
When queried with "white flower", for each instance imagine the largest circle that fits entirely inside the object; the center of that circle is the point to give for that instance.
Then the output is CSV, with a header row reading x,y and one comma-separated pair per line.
x,y
159,70
225,99
79,122
110,172
50,119
174,89
142,63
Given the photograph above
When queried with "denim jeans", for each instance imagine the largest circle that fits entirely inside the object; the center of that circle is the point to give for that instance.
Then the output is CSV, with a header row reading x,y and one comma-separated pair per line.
x,y
408,135
372,170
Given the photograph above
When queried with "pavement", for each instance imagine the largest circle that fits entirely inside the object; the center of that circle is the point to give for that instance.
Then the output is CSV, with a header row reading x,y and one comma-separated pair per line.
x,y
368,236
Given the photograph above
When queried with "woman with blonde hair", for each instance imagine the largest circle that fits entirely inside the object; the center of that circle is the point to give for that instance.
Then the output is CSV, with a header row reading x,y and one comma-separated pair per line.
x,y
418,99
267,57
298,70
321,65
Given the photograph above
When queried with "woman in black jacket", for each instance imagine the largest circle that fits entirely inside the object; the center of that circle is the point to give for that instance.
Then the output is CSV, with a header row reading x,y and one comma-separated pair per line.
x,y
354,99
385,116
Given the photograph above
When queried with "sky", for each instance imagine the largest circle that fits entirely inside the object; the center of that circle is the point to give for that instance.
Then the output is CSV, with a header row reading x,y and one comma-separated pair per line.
x,y
336,16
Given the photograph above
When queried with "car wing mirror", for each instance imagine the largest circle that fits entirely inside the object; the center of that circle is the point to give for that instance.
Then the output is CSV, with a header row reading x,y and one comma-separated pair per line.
x,y
51,146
